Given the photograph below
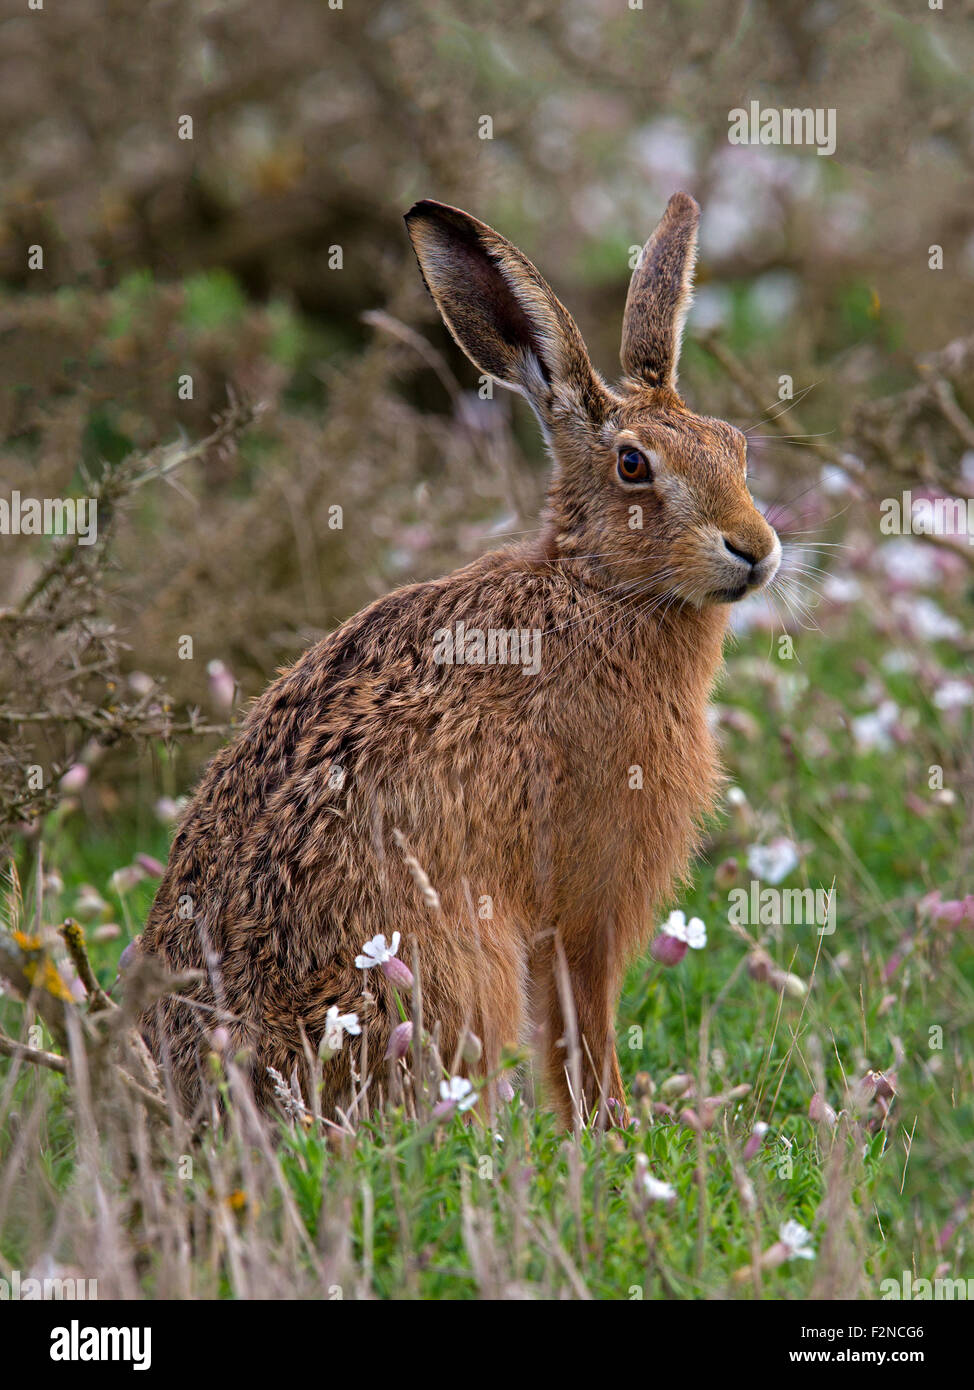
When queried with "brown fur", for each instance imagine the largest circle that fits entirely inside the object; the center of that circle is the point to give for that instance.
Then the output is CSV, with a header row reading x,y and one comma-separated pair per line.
x,y
505,785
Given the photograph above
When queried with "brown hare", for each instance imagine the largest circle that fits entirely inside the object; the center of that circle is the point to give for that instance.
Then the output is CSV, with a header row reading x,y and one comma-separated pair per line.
x,y
494,719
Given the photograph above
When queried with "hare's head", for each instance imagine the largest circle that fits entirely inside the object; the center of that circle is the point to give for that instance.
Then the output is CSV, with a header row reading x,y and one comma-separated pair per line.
x,y
653,496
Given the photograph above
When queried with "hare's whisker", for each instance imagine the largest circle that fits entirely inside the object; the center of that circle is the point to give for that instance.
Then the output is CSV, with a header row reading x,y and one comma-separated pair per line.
x,y
813,545
629,628
785,406
792,565
793,438
793,603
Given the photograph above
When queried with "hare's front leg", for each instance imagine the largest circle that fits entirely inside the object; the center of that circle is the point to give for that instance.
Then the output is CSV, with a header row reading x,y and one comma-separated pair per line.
x,y
577,1006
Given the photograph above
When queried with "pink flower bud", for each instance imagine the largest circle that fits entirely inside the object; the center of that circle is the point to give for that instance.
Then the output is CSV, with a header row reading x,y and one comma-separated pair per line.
x,y
222,685
74,779
793,985
863,1091
643,1085
153,867
618,1115
897,958
129,954
759,965
885,1084
709,1110
398,972
400,1041
928,906
126,960
69,977
680,1084
755,1140
668,950
473,1048
958,912
124,880
775,1256
89,904
725,875
820,1111
957,1221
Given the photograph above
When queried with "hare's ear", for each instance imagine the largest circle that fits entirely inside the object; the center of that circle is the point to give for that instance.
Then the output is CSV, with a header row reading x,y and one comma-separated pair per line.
x,y
659,296
501,312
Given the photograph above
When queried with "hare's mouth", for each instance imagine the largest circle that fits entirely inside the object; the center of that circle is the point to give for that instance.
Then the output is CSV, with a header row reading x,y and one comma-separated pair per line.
x,y
742,570
730,595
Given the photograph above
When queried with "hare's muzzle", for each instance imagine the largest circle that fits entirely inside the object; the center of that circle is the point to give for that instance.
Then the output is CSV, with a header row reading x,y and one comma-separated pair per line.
x,y
748,564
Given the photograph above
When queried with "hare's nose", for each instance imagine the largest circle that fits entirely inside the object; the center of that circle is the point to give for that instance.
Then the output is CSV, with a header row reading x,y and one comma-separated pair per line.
x,y
741,554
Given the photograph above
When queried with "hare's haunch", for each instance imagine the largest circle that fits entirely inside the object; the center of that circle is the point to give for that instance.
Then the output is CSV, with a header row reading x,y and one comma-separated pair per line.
x,y
530,730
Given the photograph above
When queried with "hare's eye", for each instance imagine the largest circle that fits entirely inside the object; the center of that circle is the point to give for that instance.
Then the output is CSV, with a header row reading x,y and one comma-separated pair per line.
x,y
634,467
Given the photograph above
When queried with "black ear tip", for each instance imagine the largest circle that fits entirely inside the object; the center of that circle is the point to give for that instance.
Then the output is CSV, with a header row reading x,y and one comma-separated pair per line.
x,y
428,218
429,207
418,210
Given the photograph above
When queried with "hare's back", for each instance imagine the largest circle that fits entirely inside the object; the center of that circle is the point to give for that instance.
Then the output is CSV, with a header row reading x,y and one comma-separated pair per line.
x,y
370,730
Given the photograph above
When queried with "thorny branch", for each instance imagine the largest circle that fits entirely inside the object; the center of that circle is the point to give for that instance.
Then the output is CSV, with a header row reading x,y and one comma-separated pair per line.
x,y
63,696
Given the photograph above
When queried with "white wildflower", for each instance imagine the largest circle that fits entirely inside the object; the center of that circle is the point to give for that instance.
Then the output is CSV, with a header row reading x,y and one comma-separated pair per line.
x,y
907,561
953,694
874,730
774,861
923,617
898,662
376,952
654,1188
694,933
336,1026
797,1240
841,588
459,1092
657,1190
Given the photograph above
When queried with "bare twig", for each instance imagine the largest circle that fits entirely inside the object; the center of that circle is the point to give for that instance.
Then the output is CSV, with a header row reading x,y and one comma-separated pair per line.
x,y
35,1055
74,939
